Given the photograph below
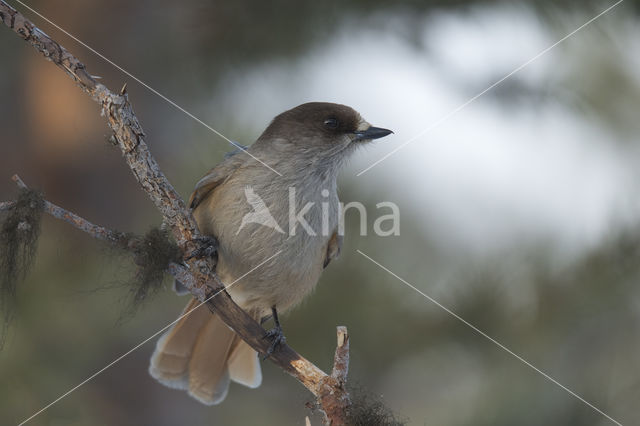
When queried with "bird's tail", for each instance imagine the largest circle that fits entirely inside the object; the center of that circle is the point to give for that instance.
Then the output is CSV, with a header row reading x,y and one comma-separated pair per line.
x,y
200,354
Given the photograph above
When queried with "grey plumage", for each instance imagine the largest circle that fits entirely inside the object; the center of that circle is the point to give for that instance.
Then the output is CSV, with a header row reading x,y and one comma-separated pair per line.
x,y
307,145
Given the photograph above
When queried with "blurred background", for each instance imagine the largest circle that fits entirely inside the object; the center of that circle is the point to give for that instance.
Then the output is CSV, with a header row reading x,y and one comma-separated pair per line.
x,y
520,212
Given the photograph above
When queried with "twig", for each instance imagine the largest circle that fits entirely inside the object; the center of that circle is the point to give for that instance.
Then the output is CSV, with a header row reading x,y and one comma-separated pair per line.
x,y
197,275
336,402
121,119
6,205
74,220
341,358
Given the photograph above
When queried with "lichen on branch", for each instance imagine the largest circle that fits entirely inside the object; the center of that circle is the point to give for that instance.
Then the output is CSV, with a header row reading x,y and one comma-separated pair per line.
x,y
152,254
19,232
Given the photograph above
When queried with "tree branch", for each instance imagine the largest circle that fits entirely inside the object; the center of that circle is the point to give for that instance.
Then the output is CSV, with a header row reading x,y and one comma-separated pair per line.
x,y
122,120
196,274
337,402
341,359
6,205
74,220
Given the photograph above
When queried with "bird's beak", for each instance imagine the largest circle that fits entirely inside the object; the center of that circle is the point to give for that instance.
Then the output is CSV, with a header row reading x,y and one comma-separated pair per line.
x,y
371,133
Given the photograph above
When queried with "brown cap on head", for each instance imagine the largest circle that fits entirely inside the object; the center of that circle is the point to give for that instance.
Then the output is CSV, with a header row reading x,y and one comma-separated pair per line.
x,y
322,121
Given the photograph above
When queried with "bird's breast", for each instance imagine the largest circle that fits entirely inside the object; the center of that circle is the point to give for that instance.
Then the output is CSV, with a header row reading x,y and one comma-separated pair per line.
x,y
273,238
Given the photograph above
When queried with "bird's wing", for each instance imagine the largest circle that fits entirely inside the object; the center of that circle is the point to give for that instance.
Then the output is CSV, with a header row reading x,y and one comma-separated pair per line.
x,y
214,178
333,247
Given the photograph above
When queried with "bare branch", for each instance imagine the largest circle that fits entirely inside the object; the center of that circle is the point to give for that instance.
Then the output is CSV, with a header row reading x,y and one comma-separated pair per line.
x,y
74,220
6,205
121,119
19,182
341,358
335,400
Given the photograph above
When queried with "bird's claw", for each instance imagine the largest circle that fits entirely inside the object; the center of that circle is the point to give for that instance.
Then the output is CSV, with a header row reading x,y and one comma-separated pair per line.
x,y
207,247
277,338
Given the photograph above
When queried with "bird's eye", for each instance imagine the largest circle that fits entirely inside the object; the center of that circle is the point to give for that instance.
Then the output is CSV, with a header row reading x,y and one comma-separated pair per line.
x,y
331,123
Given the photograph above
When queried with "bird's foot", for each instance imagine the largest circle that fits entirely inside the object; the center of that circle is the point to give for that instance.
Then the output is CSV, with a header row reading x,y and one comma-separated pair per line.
x,y
207,247
277,338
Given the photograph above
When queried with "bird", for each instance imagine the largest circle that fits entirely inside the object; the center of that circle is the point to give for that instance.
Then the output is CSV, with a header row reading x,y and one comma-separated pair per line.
x,y
291,171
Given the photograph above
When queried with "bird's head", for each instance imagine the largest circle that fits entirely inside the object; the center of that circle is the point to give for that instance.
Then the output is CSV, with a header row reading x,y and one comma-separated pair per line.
x,y
320,128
